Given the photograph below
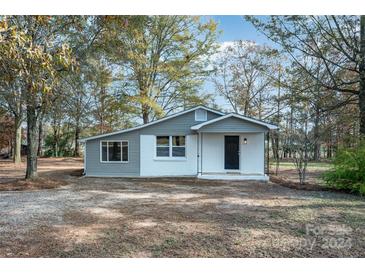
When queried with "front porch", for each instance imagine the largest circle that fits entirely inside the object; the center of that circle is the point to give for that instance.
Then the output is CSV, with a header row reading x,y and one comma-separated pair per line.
x,y
231,156
232,148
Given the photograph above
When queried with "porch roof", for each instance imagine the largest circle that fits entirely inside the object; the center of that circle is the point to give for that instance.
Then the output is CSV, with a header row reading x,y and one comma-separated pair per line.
x,y
249,121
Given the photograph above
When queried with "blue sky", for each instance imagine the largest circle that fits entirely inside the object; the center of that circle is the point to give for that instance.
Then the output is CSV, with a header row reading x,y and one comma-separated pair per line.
x,y
236,28
233,28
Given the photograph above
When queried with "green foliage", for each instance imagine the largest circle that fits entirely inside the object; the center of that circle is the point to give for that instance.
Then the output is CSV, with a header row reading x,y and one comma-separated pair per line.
x,y
63,147
163,60
349,170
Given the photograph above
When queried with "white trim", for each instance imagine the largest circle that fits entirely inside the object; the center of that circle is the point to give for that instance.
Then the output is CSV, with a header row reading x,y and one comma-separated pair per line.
x,y
151,123
171,146
85,161
192,176
201,152
199,126
170,159
198,154
168,146
207,176
121,152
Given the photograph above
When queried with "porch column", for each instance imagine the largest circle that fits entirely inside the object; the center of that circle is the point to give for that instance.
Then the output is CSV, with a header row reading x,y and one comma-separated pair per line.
x,y
199,163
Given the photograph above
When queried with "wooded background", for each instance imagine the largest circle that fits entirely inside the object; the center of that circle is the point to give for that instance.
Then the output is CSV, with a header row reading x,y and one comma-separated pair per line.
x,y
63,77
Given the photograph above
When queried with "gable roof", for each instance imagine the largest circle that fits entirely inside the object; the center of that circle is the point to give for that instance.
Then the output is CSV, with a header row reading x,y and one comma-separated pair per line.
x,y
151,123
251,120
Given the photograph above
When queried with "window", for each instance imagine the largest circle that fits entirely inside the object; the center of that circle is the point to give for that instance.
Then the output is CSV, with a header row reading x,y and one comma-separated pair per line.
x,y
178,146
114,151
125,151
170,146
200,115
163,146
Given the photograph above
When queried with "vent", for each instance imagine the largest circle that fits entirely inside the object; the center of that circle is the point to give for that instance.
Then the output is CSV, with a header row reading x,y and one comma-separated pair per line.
x,y
200,115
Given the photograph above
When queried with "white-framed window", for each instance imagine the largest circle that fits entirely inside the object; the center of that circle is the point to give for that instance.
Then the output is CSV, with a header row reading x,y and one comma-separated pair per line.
x,y
178,146
114,151
162,146
200,115
170,146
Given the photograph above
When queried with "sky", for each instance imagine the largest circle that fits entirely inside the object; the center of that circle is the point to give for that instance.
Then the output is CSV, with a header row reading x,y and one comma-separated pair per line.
x,y
233,28
236,28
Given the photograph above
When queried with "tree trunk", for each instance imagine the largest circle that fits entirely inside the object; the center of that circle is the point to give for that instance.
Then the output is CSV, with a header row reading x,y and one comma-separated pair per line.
x,y
275,151
278,118
56,135
40,136
329,155
17,140
273,146
32,142
316,145
77,136
362,76
55,142
145,114
246,106
291,122
102,109
10,148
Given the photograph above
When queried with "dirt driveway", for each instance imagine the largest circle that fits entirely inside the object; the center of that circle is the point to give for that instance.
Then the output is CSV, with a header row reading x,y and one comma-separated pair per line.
x,y
95,217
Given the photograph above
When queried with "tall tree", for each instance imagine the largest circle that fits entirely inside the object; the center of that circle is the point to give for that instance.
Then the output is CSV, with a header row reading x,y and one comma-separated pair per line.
x,y
338,42
242,77
78,101
40,53
163,60
11,98
6,129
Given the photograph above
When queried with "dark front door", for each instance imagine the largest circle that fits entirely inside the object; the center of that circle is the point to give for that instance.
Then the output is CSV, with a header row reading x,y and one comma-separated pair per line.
x,y
231,152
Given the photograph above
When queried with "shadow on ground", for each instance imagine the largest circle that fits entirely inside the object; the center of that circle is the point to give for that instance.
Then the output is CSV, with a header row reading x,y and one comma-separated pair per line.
x,y
96,217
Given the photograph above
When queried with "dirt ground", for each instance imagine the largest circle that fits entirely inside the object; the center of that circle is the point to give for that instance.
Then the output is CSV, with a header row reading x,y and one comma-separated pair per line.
x,y
114,217
313,175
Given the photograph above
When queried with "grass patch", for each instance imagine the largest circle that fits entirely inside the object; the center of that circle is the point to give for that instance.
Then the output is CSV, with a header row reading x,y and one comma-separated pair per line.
x,y
311,165
295,185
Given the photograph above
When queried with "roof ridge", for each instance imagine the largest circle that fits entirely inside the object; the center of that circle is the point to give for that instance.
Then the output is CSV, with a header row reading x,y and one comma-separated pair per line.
x,y
152,122
253,118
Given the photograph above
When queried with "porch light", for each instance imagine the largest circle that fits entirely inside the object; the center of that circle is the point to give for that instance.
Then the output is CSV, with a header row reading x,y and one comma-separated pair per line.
x,y
245,141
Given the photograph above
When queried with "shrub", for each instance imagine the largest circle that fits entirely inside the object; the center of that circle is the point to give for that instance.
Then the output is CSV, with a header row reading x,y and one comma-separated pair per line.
x,y
348,172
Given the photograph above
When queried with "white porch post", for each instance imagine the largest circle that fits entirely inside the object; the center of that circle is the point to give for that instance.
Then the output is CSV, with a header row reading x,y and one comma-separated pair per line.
x,y
199,154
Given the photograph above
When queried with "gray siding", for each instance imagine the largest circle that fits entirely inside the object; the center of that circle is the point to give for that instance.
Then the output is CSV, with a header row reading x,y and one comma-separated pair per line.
x,y
179,125
233,124
95,168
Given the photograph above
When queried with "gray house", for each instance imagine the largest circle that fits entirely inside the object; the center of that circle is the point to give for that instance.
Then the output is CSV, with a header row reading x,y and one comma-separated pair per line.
x,y
198,142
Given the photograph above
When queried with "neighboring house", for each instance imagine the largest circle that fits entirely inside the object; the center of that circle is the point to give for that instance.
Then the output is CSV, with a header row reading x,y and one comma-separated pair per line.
x,y
196,142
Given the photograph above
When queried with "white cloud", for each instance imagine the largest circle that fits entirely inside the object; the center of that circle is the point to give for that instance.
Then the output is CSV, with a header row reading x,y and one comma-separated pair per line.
x,y
227,44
